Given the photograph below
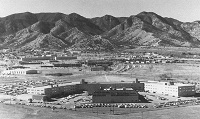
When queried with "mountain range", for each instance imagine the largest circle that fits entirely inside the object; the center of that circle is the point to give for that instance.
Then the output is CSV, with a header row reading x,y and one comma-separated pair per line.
x,y
29,31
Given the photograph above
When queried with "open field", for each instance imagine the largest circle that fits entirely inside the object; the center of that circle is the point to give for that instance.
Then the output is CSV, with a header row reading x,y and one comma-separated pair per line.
x,y
178,71
177,51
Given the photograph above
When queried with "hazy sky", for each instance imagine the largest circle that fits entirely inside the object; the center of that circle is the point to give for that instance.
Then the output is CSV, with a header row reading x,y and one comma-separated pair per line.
x,y
183,10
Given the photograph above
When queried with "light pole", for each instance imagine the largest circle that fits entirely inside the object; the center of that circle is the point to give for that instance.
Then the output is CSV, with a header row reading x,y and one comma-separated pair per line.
x,y
142,114
97,111
110,109
75,106
113,109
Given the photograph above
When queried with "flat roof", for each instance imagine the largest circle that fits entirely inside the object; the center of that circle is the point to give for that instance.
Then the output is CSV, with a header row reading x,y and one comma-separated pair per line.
x,y
71,83
121,89
26,69
180,84
118,82
59,85
39,87
175,84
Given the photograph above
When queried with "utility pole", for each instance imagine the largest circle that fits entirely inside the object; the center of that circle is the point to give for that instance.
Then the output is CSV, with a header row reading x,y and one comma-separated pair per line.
x,y
97,110
113,109
142,114
75,106
110,109
92,110
10,99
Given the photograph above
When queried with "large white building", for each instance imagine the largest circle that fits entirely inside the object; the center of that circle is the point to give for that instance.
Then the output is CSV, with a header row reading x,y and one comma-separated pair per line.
x,y
170,88
19,72
55,90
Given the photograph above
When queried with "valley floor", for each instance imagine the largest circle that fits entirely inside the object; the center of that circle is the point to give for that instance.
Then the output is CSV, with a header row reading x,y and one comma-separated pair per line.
x,y
144,72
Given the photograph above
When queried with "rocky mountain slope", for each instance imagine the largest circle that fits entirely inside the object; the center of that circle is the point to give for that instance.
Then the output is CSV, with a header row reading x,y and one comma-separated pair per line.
x,y
152,30
106,22
24,31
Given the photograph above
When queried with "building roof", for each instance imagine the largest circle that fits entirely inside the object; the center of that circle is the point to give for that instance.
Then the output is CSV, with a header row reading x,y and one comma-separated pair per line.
x,y
20,70
121,89
181,84
169,83
40,88
59,85
24,70
71,83
116,82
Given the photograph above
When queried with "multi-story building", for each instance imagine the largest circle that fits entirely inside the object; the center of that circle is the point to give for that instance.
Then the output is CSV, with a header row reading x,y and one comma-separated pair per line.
x,y
76,87
170,88
123,95
95,86
55,90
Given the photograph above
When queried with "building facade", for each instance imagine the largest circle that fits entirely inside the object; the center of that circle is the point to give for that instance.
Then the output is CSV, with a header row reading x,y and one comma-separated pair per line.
x,y
170,88
92,87
19,72
115,96
55,90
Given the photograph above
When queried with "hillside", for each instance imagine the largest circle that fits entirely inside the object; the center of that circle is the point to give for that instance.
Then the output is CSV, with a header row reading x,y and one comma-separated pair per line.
x,y
152,30
27,30
106,22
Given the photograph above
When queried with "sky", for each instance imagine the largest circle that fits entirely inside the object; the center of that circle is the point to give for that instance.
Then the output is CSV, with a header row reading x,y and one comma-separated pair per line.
x,y
183,10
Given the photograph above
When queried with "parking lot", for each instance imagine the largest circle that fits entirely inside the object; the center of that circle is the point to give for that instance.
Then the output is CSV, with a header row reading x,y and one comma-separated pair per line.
x,y
83,103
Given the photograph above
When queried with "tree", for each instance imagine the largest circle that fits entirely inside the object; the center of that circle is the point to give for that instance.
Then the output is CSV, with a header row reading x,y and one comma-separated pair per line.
x,y
150,68
165,76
